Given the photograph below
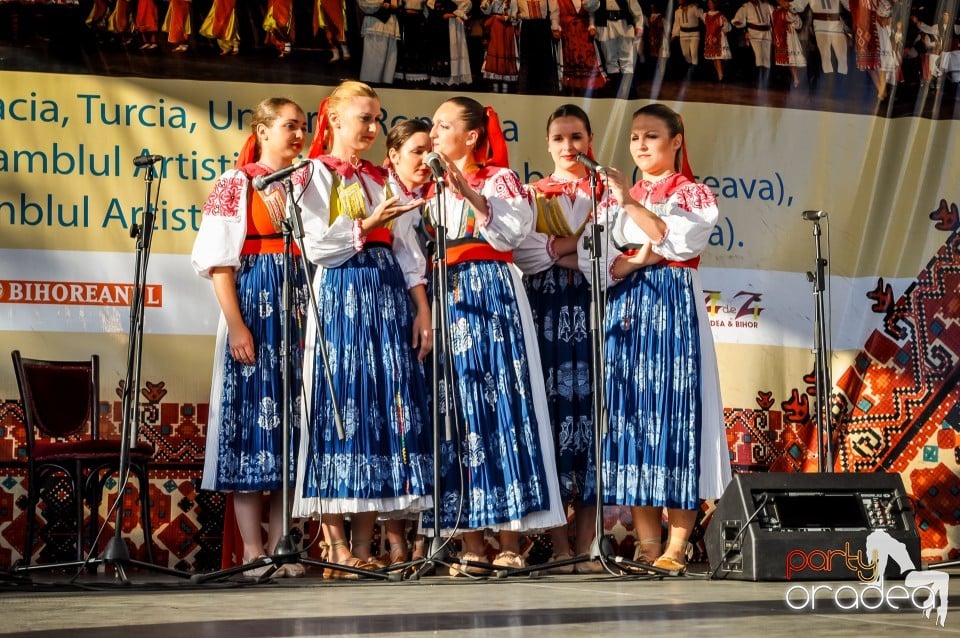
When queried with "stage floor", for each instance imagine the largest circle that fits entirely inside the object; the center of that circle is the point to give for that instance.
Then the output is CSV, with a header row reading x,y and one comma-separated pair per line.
x,y
152,606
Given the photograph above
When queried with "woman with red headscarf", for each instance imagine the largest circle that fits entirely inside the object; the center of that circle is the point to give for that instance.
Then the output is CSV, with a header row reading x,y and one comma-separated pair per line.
x,y
374,316
665,446
499,472
240,248
560,298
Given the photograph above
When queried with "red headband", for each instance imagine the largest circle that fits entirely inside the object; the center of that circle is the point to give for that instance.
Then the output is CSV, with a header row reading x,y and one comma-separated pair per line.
x,y
248,153
497,154
319,145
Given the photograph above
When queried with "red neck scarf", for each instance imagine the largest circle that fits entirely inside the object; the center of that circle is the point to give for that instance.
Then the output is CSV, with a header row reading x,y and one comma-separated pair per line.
x,y
347,170
660,189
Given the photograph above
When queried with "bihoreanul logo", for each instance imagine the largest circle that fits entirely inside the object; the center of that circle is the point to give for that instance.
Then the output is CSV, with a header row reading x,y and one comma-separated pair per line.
x,y
925,590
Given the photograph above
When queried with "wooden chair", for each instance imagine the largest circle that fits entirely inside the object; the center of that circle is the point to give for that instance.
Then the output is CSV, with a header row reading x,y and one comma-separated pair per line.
x,y
61,404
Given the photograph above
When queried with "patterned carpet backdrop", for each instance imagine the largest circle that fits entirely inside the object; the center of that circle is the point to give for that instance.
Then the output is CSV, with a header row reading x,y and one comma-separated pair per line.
x,y
874,149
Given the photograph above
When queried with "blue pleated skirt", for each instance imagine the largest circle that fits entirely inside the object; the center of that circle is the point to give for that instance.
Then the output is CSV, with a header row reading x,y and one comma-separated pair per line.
x,y
652,355
385,461
247,423
560,301
493,473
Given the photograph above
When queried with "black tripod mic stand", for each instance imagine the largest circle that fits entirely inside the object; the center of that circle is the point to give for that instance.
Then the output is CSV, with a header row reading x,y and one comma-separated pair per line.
x,y
116,552
442,372
821,350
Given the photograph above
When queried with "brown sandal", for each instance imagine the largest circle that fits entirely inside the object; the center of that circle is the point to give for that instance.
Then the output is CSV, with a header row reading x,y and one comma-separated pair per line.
x,y
671,564
648,550
398,555
458,569
674,559
562,569
350,561
372,560
589,567
419,549
292,570
510,559
258,573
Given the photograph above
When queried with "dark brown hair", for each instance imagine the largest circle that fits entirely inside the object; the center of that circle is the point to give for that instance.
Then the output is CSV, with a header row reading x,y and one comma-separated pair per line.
x,y
474,116
674,125
403,131
570,110
266,112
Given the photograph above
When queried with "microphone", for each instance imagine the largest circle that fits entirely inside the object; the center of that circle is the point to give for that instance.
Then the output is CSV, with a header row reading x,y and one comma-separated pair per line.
x,y
814,215
435,163
262,181
591,165
146,160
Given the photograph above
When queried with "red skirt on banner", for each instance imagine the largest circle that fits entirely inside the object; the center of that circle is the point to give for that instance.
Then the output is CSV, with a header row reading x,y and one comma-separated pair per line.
x,y
502,61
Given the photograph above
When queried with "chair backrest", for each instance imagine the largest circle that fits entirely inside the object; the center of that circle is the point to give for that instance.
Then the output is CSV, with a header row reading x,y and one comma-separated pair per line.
x,y
59,397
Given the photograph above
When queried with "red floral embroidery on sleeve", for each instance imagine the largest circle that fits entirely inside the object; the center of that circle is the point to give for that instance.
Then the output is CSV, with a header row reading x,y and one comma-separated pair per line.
x,y
695,197
224,200
301,177
507,185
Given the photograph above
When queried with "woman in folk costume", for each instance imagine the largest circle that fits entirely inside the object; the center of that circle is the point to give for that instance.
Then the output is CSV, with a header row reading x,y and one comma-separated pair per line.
x,y
866,41
582,73
99,14
560,300
659,26
278,25
374,318
240,248
408,142
331,16
413,59
446,35
665,446
177,25
380,31
787,50
498,473
147,23
221,25
501,65
716,47
119,20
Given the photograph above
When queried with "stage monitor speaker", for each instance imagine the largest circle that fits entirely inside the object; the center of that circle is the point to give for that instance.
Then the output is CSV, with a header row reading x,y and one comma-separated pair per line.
x,y
790,526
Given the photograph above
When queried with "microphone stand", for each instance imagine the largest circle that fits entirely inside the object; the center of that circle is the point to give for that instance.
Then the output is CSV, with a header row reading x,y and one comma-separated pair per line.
x,y
116,552
602,547
442,368
821,359
286,551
